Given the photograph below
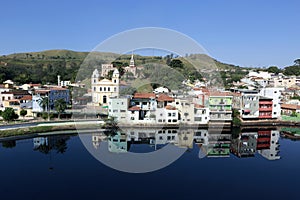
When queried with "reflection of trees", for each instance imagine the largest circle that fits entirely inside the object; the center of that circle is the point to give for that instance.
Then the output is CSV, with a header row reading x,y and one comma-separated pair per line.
x,y
9,144
57,143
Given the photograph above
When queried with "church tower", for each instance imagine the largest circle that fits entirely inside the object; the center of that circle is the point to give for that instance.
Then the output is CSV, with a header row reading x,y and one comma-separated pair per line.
x,y
116,81
131,61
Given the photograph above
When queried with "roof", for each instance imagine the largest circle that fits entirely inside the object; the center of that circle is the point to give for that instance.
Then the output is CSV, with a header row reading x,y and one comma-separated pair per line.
x,y
169,107
264,98
164,97
26,97
134,108
198,106
144,96
220,94
57,88
290,106
41,91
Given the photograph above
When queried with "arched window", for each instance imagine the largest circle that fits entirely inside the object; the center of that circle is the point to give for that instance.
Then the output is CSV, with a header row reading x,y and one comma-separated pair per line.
x,y
115,81
104,99
104,89
108,88
100,89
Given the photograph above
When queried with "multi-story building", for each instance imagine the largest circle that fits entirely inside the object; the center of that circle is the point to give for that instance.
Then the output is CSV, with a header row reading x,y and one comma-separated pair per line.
x,y
220,106
117,107
265,108
275,95
244,145
104,89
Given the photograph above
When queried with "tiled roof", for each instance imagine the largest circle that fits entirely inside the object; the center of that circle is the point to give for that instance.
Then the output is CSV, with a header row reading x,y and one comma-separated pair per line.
x,y
220,94
134,108
42,91
164,97
169,107
199,106
57,88
144,95
290,106
26,97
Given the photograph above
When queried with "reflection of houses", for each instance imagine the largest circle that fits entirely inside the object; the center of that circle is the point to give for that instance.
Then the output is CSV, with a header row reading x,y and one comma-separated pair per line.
x,y
38,141
244,145
214,143
118,143
97,138
269,147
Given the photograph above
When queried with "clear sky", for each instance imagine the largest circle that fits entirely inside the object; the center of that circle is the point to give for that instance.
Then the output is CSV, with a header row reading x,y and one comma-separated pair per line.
x,y
254,33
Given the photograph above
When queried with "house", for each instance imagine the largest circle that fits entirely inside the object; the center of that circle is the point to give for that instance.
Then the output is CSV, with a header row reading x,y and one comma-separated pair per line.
x,y
117,107
106,68
104,89
54,93
275,94
265,108
288,109
220,106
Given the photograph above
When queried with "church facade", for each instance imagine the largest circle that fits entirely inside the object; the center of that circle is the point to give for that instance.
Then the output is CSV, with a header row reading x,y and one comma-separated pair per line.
x,y
104,89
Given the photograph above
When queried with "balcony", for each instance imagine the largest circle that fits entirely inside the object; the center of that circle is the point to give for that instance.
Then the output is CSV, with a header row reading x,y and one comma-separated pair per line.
x,y
265,102
266,109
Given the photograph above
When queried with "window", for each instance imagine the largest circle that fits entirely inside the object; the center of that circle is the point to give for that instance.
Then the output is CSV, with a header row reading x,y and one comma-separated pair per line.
x,y
174,120
94,80
161,114
104,99
169,120
122,110
115,81
275,113
115,111
159,120
108,89
100,89
94,89
115,89
104,89
132,118
173,114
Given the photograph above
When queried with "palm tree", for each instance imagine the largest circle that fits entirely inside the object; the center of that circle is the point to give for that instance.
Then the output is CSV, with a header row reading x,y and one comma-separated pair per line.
x,y
60,106
43,102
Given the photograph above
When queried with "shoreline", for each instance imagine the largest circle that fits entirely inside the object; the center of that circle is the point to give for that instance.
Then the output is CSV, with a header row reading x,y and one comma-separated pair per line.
x,y
60,128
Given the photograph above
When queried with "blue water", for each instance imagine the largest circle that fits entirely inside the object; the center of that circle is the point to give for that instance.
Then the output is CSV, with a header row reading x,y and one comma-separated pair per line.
x,y
75,174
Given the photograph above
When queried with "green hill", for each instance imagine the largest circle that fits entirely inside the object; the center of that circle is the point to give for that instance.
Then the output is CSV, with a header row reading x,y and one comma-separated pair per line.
x,y
44,66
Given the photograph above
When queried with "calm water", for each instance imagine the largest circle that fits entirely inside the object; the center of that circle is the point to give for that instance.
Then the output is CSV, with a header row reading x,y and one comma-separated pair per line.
x,y
60,167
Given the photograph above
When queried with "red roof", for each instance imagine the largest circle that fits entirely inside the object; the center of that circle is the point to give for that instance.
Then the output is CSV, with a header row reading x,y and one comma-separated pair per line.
x,y
144,96
164,97
26,97
134,108
57,88
220,94
199,106
42,91
169,107
290,106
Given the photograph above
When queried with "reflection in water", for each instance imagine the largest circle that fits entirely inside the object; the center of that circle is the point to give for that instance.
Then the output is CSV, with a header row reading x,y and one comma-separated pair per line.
x,y
211,143
46,144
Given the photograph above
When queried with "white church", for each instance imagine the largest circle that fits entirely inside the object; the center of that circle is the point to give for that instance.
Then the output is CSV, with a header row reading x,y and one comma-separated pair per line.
x,y
104,89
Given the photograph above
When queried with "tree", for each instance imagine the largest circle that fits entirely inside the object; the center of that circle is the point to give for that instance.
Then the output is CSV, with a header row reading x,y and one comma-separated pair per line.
x,y
60,106
297,62
292,70
9,114
176,63
44,102
23,113
273,69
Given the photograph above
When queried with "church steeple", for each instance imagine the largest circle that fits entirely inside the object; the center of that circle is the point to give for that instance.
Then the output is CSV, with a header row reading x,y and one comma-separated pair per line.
x,y
131,61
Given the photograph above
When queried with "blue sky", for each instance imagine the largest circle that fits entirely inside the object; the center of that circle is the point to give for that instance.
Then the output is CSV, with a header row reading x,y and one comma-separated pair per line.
x,y
246,33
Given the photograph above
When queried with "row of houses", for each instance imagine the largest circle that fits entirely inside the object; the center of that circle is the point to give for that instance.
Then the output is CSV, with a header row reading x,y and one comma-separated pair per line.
x,y
29,97
198,108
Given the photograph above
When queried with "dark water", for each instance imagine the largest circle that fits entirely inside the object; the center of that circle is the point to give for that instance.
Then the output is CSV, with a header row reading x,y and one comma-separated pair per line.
x,y
64,169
